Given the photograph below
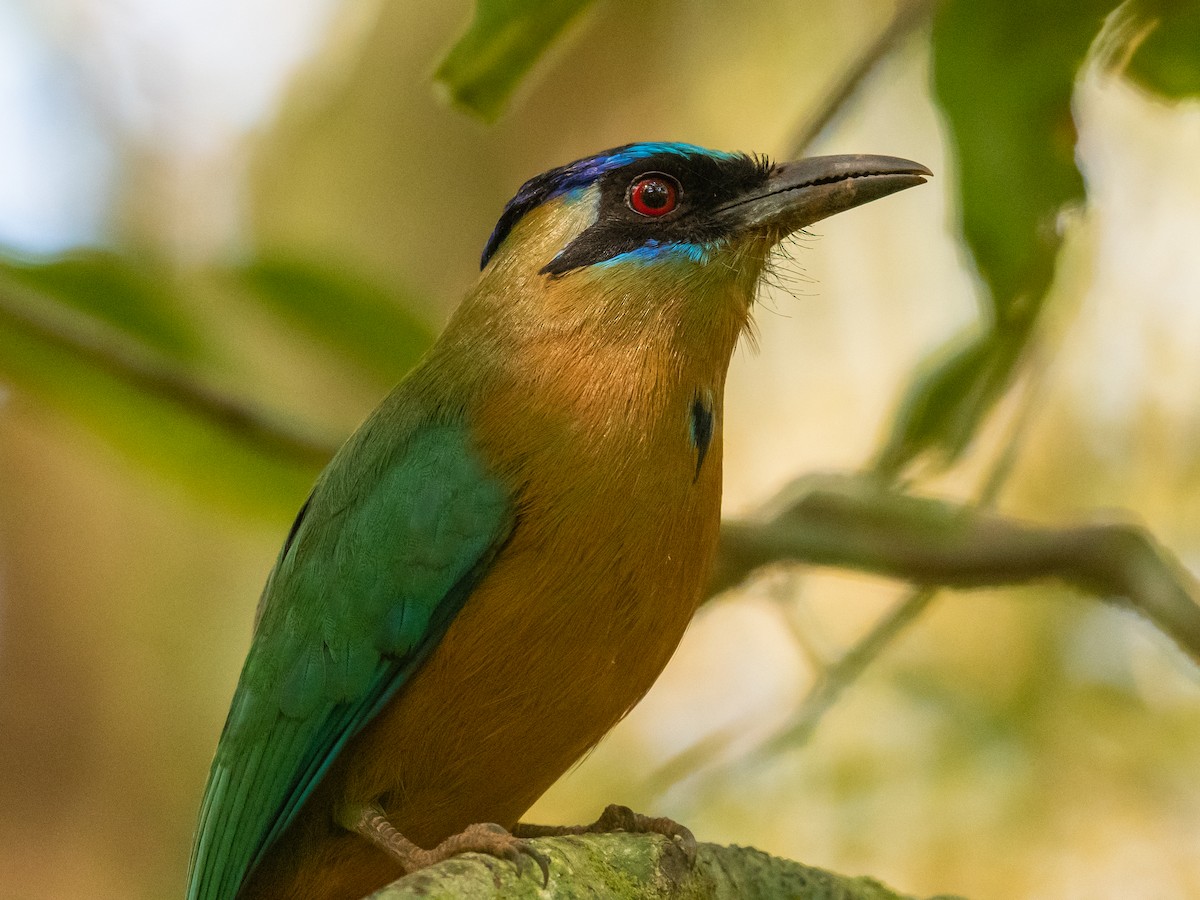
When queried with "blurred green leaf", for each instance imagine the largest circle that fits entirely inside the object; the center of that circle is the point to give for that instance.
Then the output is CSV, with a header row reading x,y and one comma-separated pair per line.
x,y
212,460
1167,60
364,321
1003,74
504,41
134,297
105,341
946,400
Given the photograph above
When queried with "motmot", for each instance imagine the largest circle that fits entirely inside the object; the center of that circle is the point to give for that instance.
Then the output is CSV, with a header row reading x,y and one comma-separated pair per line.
x,y
499,563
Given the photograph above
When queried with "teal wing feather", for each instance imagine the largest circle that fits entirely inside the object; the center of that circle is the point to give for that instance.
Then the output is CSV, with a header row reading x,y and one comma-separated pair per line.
x,y
381,558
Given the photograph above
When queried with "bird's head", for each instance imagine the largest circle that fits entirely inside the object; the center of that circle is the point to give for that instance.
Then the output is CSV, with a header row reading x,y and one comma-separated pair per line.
x,y
644,223
655,242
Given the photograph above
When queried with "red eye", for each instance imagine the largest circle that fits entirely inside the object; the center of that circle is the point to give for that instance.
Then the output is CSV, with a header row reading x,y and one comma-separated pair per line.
x,y
654,195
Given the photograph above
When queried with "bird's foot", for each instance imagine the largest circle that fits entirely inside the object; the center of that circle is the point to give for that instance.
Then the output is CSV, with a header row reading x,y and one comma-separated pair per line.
x,y
618,818
484,837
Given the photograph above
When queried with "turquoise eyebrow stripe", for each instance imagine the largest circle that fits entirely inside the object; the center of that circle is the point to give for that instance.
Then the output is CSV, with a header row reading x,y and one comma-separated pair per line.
x,y
655,251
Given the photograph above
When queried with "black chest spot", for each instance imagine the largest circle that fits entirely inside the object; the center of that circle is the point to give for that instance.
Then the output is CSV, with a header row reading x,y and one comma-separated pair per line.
x,y
701,428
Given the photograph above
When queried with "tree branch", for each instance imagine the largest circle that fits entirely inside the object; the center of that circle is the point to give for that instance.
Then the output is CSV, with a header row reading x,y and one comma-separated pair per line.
x,y
849,522
105,347
627,866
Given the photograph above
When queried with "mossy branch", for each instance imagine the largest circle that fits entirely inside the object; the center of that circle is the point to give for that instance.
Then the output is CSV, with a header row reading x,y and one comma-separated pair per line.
x,y
632,867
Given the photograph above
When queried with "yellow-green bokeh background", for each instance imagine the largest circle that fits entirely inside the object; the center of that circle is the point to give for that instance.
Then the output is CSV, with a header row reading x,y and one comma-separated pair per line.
x,y
1025,743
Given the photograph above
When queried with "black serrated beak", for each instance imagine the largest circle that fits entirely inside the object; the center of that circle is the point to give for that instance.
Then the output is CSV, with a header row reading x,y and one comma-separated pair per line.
x,y
800,193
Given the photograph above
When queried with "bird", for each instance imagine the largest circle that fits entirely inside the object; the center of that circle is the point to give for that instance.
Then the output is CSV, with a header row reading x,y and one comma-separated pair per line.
x,y
497,565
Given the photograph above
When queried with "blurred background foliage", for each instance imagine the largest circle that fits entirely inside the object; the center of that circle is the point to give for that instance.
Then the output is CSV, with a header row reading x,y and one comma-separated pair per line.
x,y
226,228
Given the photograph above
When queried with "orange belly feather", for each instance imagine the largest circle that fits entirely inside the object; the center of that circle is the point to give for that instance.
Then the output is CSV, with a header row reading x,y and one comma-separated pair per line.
x,y
575,619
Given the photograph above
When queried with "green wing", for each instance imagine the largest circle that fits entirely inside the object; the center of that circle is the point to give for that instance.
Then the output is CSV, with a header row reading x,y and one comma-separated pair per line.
x,y
384,553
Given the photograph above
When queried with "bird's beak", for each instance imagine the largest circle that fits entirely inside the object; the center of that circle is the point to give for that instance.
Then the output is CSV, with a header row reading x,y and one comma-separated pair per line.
x,y
800,193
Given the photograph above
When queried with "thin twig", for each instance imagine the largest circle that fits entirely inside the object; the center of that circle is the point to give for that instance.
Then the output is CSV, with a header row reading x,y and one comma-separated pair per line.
x,y
834,681
106,348
909,15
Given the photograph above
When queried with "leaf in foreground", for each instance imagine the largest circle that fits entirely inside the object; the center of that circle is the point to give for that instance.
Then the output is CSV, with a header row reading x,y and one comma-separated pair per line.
x,y
503,43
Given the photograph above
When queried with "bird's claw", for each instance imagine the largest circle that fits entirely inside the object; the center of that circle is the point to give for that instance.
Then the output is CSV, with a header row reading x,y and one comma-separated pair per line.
x,y
523,856
499,842
621,818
